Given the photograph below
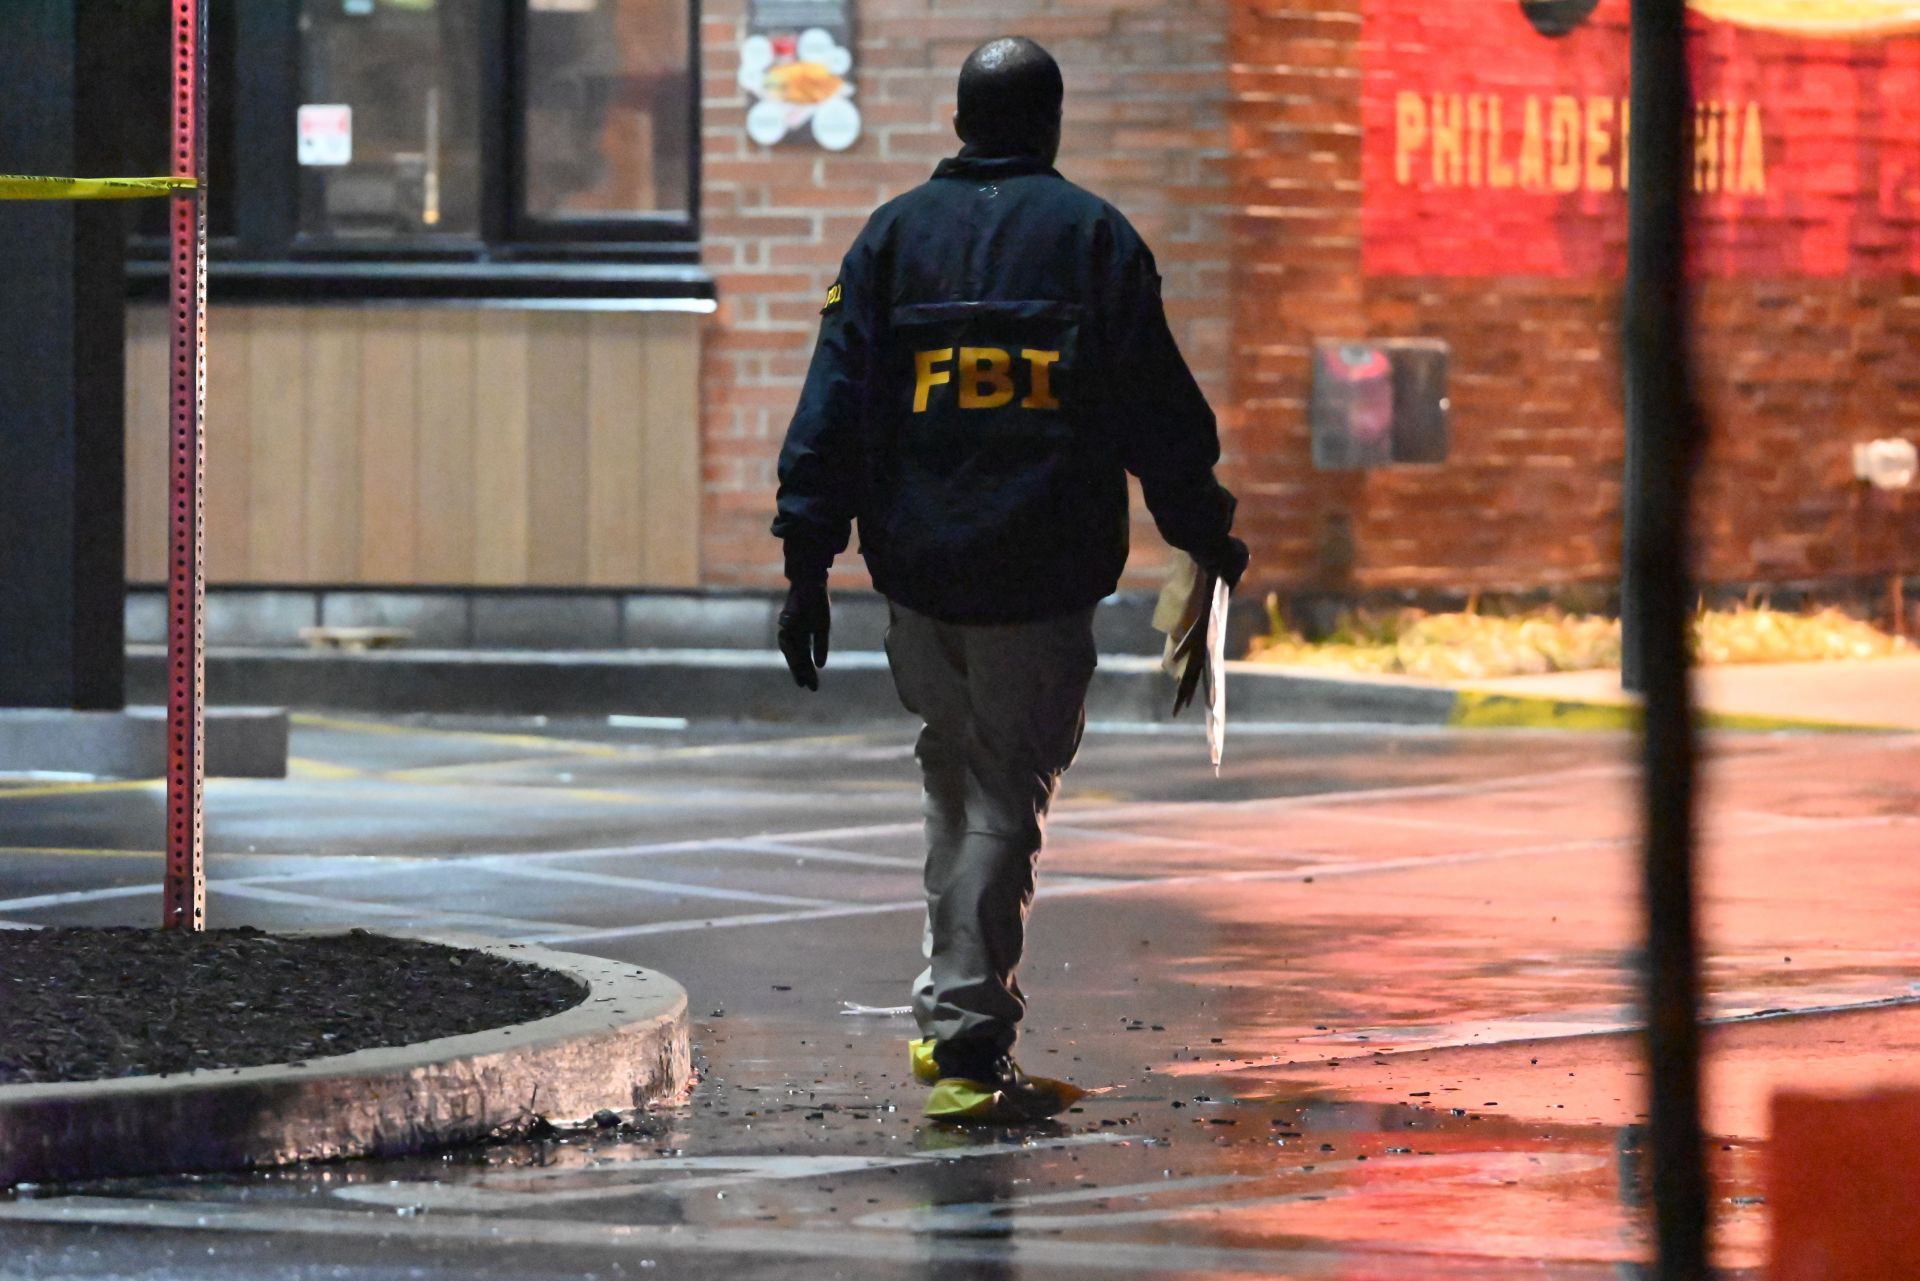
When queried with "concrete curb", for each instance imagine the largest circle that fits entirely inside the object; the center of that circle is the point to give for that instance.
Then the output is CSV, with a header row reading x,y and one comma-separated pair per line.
x,y
753,685
626,1045
747,685
1487,709
241,742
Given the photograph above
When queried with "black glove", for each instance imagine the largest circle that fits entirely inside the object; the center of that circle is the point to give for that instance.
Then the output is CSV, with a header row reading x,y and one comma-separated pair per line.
x,y
804,624
1227,562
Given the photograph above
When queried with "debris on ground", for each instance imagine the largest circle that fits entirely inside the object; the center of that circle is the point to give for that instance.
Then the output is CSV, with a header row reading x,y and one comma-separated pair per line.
x,y
91,1004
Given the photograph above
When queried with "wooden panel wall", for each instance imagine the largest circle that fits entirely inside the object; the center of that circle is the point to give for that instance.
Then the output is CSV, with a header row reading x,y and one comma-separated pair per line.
x,y
453,446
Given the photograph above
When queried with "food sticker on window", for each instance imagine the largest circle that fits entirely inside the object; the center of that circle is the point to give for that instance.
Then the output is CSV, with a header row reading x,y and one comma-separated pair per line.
x,y
797,65
325,132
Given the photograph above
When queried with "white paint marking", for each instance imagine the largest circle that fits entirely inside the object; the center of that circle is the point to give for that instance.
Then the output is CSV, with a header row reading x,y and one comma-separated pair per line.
x,y
1077,817
731,922
980,1214
960,1239
1120,836
619,721
720,845
1521,1030
1358,868
1040,1255
76,896
1014,1212
824,854
541,872
349,909
1065,888
637,1177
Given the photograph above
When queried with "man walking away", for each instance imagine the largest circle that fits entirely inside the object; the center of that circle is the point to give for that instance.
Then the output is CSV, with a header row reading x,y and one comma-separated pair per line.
x,y
993,360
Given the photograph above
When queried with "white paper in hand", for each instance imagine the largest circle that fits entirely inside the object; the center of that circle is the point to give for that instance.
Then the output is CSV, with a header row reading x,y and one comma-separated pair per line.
x,y
1217,674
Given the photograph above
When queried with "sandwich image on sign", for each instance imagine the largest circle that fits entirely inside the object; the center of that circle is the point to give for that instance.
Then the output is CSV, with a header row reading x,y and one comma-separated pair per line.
x,y
799,81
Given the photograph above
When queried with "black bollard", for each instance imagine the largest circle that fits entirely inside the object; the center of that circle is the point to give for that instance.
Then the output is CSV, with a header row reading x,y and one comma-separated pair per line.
x,y
1663,439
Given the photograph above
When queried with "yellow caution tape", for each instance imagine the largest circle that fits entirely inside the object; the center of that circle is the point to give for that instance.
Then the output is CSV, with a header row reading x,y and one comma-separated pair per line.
x,y
23,187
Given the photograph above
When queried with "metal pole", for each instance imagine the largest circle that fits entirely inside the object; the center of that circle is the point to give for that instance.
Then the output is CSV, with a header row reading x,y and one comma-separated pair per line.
x,y
185,893
1664,433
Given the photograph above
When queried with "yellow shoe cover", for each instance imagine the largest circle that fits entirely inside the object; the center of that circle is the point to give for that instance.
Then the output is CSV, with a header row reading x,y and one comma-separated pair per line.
x,y
956,1098
920,1054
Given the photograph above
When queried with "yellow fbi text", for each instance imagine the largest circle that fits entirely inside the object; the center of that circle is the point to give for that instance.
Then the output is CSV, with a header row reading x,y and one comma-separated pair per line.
x,y
983,377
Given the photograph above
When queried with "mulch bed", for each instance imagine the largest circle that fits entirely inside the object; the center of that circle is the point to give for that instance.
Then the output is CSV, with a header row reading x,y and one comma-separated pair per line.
x,y
89,1004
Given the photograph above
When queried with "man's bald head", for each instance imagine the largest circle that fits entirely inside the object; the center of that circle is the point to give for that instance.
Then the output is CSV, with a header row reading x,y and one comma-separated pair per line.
x,y
1010,92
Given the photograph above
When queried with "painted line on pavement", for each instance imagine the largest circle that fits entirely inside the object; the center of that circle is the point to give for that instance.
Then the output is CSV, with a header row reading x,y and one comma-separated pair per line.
x,y
76,896
623,1178
350,908
819,853
36,791
1120,836
63,851
1069,815
394,866
1311,867
1015,1212
732,922
552,745
1311,870
1019,1254
1081,888
450,774
536,742
505,867
1073,816
306,767
1495,1033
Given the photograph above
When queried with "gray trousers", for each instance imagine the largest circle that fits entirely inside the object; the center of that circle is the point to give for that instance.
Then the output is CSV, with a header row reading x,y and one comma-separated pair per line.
x,y
1004,707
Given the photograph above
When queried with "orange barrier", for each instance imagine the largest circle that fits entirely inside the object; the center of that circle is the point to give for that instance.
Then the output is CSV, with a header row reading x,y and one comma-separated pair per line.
x,y
1843,1175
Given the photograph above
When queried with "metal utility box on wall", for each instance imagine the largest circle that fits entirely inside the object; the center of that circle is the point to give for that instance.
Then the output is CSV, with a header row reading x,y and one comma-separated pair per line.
x,y
1378,401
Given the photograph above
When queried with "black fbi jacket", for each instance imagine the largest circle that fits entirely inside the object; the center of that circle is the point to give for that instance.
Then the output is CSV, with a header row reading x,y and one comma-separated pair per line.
x,y
993,360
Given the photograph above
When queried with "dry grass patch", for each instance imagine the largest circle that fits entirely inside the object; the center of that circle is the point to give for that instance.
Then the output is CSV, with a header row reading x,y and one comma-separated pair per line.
x,y
1474,646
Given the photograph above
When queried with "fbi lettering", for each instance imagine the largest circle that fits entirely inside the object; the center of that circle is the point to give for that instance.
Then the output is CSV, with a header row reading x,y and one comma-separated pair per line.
x,y
983,377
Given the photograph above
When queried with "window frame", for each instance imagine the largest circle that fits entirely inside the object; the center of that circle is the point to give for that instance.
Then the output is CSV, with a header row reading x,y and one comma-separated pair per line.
x,y
269,257
633,232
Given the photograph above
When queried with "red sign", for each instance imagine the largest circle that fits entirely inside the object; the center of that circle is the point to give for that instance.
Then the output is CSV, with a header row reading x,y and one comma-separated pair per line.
x,y
1491,148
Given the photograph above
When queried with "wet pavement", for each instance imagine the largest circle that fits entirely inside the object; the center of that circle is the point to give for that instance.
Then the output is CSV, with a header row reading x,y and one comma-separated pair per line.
x,y
1359,1009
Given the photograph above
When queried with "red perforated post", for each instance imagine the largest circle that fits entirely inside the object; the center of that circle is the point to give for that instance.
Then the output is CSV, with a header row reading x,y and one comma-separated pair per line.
x,y
185,896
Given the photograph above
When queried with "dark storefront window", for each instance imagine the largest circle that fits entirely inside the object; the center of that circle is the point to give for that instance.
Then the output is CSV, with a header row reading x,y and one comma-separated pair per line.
x,y
401,79
147,125
443,147
608,124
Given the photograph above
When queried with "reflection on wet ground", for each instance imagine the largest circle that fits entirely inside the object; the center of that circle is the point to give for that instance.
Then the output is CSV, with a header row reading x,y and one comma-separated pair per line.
x,y
1362,1009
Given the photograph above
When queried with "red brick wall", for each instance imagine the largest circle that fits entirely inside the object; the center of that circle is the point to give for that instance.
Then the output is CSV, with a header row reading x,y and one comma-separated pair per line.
x,y
1146,128
1793,372
1231,135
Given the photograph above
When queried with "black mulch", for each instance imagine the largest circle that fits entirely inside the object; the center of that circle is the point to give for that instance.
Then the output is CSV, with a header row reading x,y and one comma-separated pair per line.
x,y
86,1004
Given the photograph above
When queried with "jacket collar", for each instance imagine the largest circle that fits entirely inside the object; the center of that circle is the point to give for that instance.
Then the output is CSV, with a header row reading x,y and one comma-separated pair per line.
x,y
976,163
